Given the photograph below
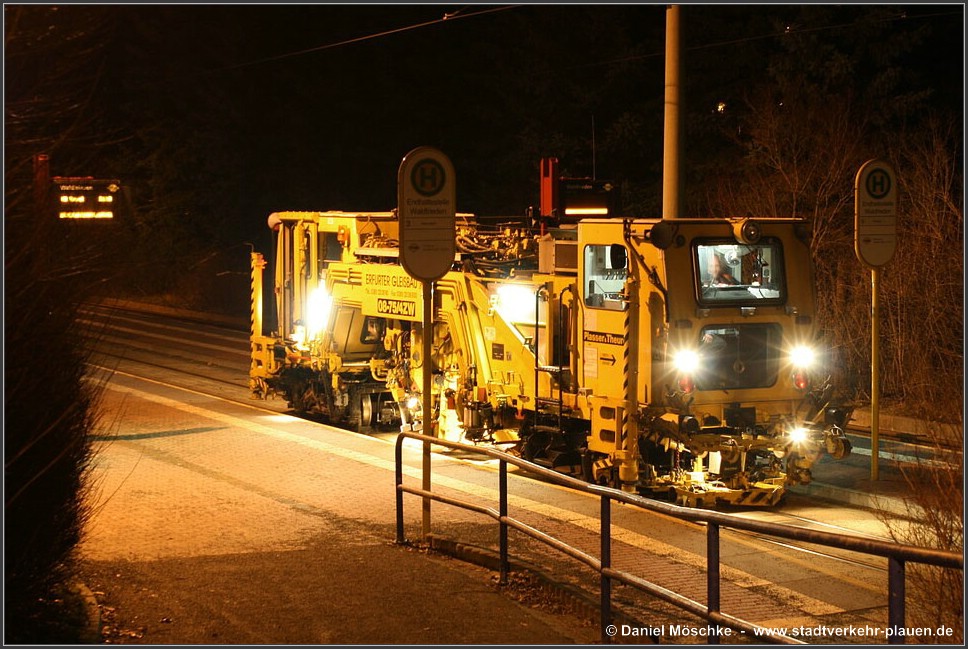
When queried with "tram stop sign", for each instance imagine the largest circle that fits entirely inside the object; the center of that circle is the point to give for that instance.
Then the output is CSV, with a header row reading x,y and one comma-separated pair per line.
x,y
875,213
426,206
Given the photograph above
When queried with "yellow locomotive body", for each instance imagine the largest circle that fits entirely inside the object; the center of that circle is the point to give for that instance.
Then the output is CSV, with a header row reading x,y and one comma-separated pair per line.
x,y
601,348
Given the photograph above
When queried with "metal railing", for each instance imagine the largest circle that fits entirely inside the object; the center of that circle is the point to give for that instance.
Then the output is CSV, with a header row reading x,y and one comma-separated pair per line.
x,y
897,554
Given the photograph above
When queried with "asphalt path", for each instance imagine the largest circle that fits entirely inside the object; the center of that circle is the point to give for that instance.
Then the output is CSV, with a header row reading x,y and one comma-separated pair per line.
x,y
216,525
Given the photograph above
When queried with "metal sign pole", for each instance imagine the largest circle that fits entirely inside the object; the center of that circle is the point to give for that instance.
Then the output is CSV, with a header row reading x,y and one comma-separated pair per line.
x,y
875,238
875,374
426,403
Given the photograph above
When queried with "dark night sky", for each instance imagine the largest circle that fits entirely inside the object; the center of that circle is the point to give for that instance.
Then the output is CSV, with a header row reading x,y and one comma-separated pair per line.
x,y
324,101
313,106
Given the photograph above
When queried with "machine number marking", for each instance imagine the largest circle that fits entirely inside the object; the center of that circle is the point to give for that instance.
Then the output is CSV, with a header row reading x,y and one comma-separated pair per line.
x,y
396,308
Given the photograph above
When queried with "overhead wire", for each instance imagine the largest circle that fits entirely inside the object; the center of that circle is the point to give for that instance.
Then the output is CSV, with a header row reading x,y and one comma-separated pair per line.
x,y
447,17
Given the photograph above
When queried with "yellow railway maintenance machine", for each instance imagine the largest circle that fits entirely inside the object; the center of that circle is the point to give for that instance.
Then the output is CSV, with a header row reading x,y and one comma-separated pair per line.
x,y
672,358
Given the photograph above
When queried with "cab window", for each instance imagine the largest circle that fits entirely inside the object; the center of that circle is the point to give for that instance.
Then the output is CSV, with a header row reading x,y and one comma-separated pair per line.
x,y
606,267
374,329
728,273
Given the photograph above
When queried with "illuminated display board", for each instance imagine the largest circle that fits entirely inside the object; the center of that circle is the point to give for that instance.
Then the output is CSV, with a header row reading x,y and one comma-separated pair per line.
x,y
583,197
86,198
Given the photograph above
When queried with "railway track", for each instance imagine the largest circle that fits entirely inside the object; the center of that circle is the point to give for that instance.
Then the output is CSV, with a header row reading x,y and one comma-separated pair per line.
x,y
908,449
221,353
849,559
190,351
196,355
215,353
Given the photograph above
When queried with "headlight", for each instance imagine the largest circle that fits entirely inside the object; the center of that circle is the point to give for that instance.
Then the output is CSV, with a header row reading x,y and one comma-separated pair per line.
x,y
686,361
802,356
514,302
798,435
299,335
318,306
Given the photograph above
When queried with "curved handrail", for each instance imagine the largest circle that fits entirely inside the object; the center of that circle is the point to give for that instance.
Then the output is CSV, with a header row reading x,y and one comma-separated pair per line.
x,y
896,553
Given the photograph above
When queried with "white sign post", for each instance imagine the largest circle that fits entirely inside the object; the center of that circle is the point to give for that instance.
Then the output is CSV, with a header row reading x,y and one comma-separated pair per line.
x,y
875,213
427,209
875,238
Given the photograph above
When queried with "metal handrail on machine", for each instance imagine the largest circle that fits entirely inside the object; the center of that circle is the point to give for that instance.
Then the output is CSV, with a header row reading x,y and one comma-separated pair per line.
x,y
897,554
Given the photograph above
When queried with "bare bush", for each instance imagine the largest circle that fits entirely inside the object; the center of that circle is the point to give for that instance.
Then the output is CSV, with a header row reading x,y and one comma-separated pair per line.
x,y
801,161
49,407
923,290
935,596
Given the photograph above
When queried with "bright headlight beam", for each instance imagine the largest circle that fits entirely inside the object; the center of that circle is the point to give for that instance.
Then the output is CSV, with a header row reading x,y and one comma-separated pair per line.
x,y
802,356
686,361
318,306
299,335
515,302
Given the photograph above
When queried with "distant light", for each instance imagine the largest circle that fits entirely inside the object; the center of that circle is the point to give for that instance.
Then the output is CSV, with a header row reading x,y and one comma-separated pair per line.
x,y
86,215
721,107
75,193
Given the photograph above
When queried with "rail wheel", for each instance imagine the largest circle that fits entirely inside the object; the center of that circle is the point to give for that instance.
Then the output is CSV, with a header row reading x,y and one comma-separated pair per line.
x,y
369,411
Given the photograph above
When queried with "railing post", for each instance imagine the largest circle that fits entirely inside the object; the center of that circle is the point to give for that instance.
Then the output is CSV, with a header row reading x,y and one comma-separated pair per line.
x,y
712,574
503,511
895,599
606,581
399,479
425,484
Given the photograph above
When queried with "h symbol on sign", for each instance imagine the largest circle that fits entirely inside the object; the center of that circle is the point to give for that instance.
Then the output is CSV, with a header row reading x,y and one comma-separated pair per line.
x,y
878,183
427,177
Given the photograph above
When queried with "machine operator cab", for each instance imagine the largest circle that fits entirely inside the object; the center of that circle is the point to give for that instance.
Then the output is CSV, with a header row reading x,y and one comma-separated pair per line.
x,y
733,276
606,269
738,373
732,273
741,317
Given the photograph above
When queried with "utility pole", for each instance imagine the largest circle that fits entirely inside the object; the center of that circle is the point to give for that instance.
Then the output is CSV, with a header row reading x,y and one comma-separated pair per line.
x,y
671,143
